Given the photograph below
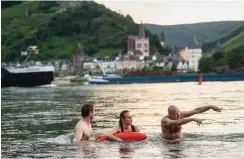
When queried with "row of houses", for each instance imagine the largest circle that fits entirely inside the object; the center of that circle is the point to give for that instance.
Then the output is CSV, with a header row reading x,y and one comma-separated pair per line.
x,y
138,56
183,61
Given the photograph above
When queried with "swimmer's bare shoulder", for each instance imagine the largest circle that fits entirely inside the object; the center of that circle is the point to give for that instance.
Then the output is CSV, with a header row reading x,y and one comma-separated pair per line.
x,y
78,126
79,131
164,120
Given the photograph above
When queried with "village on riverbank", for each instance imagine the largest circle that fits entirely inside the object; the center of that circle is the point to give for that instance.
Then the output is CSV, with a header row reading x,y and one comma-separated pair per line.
x,y
145,55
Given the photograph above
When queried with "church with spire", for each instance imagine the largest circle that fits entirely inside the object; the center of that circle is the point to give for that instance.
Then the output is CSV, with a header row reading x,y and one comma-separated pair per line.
x,y
139,43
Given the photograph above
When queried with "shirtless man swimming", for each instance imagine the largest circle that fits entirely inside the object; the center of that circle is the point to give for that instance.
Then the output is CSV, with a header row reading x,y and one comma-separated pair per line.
x,y
83,130
171,124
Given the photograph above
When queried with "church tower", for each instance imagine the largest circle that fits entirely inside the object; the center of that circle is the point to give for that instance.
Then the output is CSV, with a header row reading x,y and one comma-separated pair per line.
x,y
142,42
141,31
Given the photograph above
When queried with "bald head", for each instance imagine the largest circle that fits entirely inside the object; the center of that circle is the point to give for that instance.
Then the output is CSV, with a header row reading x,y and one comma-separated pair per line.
x,y
173,109
173,112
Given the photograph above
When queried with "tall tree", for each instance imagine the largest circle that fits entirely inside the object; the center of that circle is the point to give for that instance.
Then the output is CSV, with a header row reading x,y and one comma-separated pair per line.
x,y
162,36
235,58
206,65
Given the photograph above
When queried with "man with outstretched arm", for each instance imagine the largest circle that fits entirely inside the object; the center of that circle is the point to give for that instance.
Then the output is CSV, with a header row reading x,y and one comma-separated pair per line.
x,y
171,124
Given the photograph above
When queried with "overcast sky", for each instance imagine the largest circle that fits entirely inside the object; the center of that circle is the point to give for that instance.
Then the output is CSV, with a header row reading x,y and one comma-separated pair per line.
x,y
178,12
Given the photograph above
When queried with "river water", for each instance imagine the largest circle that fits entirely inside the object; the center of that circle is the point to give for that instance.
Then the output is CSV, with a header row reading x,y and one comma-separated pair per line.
x,y
38,122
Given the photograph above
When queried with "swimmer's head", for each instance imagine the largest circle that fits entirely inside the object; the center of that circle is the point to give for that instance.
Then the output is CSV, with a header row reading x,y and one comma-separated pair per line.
x,y
87,110
173,112
125,118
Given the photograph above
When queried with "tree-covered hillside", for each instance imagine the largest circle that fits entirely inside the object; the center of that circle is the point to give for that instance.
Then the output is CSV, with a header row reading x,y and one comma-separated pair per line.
x,y
237,32
56,30
234,42
232,55
182,35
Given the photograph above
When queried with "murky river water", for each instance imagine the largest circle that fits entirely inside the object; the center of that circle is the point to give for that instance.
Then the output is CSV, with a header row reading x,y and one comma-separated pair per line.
x,y
39,122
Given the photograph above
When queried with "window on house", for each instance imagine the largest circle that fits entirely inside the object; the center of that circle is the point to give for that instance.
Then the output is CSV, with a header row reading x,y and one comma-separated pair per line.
x,y
139,45
145,45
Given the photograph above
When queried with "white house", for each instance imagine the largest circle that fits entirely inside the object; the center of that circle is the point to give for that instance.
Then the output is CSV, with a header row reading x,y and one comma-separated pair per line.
x,y
109,66
193,58
112,66
106,65
170,64
160,64
129,64
64,67
182,66
154,58
89,66
162,43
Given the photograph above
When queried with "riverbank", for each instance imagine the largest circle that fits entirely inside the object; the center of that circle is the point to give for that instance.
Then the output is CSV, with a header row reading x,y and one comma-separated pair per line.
x,y
170,79
61,81
70,80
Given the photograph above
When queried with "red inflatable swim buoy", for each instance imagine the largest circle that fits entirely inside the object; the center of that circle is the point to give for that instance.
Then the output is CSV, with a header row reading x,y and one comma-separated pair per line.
x,y
126,136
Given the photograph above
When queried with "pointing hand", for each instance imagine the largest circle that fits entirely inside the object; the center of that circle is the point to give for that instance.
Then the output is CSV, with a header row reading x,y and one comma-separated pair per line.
x,y
198,121
215,108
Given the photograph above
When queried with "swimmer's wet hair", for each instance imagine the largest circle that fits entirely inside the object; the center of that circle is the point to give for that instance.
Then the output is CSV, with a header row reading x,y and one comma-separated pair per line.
x,y
85,109
121,116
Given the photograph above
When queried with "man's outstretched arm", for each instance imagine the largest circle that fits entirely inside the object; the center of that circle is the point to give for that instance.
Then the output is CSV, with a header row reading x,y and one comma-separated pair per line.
x,y
199,110
168,122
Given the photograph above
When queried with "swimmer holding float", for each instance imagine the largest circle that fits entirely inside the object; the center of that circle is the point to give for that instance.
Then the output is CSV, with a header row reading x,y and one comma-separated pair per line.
x,y
171,124
125,125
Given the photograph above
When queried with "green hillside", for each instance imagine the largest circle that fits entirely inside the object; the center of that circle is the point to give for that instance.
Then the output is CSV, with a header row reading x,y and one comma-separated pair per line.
x,y
19,10
19,31
182,35
233,53
6,4
234,43
56,31
101,31
209,46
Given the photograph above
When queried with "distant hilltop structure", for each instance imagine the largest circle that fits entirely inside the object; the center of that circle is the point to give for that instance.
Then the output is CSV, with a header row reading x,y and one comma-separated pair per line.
x,y
70,4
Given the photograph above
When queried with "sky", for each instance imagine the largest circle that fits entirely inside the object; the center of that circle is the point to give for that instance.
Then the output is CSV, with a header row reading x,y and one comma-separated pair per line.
x,y
178,12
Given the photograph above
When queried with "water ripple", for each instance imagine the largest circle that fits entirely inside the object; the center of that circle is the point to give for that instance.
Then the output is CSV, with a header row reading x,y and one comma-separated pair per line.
x,y
39,122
